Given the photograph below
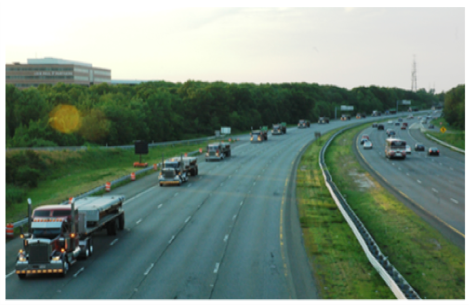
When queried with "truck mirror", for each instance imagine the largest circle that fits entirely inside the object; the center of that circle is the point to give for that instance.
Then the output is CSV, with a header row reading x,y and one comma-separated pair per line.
x,y
61,242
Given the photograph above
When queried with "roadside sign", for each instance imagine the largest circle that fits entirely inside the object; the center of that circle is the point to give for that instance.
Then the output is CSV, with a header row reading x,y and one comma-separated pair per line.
x,y
443,129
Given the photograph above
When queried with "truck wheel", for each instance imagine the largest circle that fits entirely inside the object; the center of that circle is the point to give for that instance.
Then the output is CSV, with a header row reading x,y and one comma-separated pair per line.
x,y
121,221
112,227
87,250
90,245
22,276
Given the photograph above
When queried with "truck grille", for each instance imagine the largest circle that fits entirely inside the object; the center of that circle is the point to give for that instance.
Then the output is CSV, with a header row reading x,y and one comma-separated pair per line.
x,y
38,253
169,173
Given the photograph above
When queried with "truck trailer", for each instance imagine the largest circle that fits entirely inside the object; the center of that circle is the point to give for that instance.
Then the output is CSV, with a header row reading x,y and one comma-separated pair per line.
x,y
59,234
279,129
217,151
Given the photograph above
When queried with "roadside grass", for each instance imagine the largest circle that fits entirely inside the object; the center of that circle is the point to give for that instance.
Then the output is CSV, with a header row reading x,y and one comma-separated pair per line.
x,y
340,266
432,265
70,173
453,136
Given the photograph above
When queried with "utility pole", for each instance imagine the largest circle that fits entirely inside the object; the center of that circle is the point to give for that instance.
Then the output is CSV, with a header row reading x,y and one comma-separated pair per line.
x,y
414,76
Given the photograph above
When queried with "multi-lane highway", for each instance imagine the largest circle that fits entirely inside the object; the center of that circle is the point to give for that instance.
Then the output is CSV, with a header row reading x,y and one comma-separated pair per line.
x,y
434,183
230,232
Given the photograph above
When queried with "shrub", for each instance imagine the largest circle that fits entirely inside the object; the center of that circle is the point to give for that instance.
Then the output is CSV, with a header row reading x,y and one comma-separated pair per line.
x,y
14,194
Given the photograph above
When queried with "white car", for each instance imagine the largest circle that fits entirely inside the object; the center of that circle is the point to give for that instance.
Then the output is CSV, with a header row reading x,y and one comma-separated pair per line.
x,y
408,150
389,122
367,145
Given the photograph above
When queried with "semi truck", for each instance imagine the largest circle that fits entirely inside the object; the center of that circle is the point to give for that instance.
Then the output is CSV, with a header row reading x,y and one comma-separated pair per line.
x,y
280,128
259,135
345,117
176,171
323,120
59,234
376,113
304,124
217,151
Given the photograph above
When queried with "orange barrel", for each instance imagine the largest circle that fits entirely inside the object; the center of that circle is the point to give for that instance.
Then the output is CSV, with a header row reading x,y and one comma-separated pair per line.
x,y
108,186
10,230
132,176
185,155
155,166
229,140
200,150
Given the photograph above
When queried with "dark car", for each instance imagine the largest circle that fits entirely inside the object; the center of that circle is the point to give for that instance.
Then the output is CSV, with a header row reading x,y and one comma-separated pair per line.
x,y
431,126
405,124
419,147
380,127
400,120
433,151
374,125
397,124
403,127
390,132
364,139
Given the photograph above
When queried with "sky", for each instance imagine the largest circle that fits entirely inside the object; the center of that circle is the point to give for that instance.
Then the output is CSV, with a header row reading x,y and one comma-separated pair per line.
x,y
344,47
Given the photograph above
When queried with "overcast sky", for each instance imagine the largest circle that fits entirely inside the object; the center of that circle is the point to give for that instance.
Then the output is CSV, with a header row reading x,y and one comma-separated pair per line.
x,y
345,47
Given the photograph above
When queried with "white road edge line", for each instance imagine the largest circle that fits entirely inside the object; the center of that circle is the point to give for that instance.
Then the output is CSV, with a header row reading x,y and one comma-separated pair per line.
x,y
148,270
454,200
419,181
171,240
217,265
176,194
79,271
188,218
241,203
436,191
13,272
114,241
138,195
139,221
226,238
234,217
159,207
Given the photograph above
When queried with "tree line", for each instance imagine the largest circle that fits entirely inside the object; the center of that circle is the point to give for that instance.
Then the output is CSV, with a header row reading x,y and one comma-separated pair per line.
x,y
453,109
104,114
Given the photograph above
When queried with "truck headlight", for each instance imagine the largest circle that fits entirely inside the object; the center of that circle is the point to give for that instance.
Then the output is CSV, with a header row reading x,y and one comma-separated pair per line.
x,y
21,258
56,258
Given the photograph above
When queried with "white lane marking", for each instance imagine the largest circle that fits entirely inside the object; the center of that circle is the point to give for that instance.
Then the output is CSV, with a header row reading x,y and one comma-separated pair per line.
x,y
139,221
399,168
138,195
79,271
171,240
114,241
189,184
11,273
454,200
226,238
241,203
148,270
159,207
436,191
392,163
407,174
176,194
187,219
419,181
254,183
234,217
217,265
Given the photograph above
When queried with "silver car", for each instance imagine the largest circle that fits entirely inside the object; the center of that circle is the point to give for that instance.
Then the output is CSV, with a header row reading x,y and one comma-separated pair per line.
x,y
367,145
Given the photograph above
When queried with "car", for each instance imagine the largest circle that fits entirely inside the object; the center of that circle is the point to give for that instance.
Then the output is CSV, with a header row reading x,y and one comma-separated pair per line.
x,y
364,138
419,147
397,124
390,133
423,121
403,127
400,120
389,122
431,126
367,145
405,124
433,151
374,125
408,150
380,127
410,117
363,141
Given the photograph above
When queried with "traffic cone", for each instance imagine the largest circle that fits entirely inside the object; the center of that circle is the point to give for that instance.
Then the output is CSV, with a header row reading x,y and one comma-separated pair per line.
x,y
10,227
108,186
132,176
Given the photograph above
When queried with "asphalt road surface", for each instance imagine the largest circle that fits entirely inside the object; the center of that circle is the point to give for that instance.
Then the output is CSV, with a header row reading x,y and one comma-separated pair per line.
x,y
435,183
231,232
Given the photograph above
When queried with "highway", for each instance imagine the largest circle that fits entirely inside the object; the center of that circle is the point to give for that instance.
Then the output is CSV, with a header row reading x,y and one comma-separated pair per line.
x,y
231,232
435,183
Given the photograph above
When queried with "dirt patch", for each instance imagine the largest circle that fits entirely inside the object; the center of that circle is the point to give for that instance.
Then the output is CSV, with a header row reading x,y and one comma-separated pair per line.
x,y
362,180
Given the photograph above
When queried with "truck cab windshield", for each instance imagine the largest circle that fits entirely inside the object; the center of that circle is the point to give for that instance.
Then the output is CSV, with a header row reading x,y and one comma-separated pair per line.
x,y
46,233
212,148
172,165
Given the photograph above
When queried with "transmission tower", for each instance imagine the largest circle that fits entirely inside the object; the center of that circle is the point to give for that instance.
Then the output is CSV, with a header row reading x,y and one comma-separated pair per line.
x,y
414,76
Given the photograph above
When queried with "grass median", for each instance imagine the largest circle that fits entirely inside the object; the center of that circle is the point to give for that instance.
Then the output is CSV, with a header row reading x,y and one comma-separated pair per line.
x,y
430,263
69,173
452,136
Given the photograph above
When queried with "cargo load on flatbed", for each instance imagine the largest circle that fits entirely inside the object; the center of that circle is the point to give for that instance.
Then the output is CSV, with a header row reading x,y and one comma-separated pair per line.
x,y
176,171
218,151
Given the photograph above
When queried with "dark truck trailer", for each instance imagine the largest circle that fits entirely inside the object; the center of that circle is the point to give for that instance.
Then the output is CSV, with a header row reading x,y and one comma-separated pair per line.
x,y
304,124
217,151
323,120
279,129
258,136
59,234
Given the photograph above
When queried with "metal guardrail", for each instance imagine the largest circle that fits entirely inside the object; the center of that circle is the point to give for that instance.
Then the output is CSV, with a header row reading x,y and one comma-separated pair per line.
x,y
391,276
445,144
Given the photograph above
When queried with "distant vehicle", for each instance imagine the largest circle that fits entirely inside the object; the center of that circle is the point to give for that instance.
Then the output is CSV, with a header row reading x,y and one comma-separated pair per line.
x,y
374,125
358,116
400,119
390,133
431,126
323,120
408,150
395,148
380,127
389,122
419,147
364,139
397,124
176,170
278,129
258,136
376,113
405,124
386,112
345,117
433,151
410,117
303,124
423,121
403,127
368,145
217,151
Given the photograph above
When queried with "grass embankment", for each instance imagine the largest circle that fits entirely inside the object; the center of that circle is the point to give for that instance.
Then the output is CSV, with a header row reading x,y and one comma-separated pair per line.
x,y
452,136
69,173
430,263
